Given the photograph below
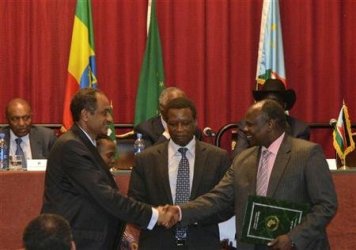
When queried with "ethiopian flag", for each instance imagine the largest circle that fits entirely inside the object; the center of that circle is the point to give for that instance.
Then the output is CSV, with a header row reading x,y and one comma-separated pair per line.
x,y
81,66
343,141
270,63
151,81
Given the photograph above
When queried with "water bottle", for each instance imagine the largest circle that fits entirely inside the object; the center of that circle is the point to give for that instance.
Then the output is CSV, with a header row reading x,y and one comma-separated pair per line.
x,y
4,161
139,144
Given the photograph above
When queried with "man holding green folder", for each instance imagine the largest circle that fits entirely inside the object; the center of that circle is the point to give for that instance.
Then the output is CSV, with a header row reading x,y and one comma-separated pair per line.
x,y
297,172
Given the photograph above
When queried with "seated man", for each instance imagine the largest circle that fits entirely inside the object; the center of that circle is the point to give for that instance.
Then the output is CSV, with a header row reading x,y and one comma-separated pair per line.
x,y
274,89
107,150
154,130
33,142
48,232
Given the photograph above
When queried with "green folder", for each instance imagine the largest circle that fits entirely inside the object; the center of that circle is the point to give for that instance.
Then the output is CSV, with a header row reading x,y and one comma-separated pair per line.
x,y
266,218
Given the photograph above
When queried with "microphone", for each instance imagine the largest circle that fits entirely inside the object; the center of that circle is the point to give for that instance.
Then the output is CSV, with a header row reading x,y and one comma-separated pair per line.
x,y
332,122
209,132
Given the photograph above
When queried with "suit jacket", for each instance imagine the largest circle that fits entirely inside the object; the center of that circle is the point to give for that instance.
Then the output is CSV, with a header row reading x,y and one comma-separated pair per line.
x,y
80,188
150,183
152,130
297,129
300,174
41,140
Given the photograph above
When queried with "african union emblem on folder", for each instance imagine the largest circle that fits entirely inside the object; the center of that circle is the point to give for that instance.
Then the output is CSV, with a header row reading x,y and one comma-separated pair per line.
x,y
267,218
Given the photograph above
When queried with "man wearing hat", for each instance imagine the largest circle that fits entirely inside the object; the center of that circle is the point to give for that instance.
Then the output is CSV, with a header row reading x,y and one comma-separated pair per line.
x,y
273,89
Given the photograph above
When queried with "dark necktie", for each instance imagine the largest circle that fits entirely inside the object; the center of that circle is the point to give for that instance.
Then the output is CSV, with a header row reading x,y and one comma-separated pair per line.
x,y
19,151
182,188
262,174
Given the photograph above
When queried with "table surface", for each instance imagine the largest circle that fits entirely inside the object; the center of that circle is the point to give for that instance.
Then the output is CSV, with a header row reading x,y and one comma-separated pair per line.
x,y
21,200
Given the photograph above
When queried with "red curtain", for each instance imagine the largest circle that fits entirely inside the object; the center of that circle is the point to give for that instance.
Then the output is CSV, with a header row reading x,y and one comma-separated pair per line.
x,y
209,48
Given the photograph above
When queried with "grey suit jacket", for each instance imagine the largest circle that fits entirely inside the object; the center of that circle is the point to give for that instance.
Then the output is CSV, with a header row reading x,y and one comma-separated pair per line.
x,y
300,174
41,140
150,183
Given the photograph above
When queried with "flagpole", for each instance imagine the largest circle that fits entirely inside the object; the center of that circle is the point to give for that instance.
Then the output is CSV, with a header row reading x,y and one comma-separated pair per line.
x,y
343,164
148,15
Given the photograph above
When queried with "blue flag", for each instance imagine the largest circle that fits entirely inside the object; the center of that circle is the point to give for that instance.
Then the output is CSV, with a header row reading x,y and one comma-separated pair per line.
x,y
270,62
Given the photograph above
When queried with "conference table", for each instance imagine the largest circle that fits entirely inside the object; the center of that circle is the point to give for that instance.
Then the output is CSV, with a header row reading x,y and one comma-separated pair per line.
x,y
21,199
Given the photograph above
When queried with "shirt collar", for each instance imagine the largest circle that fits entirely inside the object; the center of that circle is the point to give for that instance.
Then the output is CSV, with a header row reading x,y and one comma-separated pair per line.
x,y
190,146
274,147
87,135
13,137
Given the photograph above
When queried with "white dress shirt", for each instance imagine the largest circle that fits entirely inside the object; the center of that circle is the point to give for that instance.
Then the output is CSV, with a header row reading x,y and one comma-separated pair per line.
x,y
174,157
25,145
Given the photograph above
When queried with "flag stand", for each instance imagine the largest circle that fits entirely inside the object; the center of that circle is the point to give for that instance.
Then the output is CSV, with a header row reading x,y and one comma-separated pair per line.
x,y
343,164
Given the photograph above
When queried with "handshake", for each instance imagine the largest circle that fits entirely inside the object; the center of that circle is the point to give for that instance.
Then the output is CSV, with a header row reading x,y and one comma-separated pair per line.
x,y
168,215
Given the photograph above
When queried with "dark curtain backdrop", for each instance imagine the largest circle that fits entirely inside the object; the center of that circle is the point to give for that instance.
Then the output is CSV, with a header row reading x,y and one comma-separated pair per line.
x,y
209,47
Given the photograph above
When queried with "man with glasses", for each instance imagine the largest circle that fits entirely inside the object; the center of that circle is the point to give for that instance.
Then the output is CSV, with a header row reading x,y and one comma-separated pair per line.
x,y
33,142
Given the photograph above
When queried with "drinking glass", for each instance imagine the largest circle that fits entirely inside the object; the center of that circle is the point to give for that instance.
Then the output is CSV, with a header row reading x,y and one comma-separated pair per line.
x,y
15,162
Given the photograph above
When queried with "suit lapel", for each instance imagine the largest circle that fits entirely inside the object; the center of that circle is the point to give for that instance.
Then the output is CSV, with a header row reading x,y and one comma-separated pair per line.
x,y
93,150
279,166
199,163
162,152
35,144
252,166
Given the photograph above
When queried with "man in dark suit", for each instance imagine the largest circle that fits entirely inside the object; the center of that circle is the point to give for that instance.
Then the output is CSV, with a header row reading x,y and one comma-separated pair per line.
x,y
274,89
35,141
79,187
154,179
296,171
154,130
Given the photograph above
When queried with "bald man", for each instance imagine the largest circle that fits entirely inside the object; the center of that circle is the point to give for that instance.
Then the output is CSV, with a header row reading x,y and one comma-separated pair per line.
x,y
34,141
154,130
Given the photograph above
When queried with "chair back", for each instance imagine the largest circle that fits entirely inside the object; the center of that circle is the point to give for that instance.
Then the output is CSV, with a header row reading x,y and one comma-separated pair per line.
x,y
125,149
226,137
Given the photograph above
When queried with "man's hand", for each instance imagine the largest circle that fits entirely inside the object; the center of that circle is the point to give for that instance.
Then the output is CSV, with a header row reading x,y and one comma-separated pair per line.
x,y
282,242
168,215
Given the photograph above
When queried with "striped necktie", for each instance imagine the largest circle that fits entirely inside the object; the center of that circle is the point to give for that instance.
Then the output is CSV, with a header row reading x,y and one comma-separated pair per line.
x,y
19,151
262,174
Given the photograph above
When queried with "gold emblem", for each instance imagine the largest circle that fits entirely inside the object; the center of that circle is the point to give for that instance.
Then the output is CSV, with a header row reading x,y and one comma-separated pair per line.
x,y
272,223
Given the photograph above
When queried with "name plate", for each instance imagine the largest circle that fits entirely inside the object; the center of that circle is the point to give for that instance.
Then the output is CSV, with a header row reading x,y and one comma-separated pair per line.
x,y
266,218
332,164
36,165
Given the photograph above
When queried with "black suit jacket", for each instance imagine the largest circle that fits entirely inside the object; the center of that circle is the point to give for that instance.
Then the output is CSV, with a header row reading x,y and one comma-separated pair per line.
x,y
152,131
80,188
150,183
297,129
41,140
